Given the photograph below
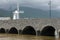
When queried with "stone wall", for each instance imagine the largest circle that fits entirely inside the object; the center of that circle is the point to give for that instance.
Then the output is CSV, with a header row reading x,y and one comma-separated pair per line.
x,y
37,24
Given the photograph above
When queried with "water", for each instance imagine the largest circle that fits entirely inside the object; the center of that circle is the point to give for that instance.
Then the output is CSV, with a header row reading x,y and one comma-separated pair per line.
x,y
25,37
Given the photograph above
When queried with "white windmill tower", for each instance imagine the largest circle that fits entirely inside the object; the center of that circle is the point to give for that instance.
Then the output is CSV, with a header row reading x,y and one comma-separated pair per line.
x,y
17,12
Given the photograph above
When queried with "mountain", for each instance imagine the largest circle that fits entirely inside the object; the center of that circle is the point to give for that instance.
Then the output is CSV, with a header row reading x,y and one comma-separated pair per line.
x,y
55,14
34,13
30,13
5,13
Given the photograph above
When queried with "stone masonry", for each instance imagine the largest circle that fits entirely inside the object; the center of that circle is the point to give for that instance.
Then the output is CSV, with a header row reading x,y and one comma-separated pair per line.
x,y
37,24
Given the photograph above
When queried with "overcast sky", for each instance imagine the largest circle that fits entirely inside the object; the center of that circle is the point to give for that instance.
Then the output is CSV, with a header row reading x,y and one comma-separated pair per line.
x,y
39,4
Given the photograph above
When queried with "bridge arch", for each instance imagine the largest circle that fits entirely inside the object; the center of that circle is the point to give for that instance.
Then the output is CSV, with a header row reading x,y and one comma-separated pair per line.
x,y
13,30
2,30
48,31
29,30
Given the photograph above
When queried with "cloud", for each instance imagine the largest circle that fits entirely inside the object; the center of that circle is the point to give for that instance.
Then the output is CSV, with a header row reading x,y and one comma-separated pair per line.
x,y
40,4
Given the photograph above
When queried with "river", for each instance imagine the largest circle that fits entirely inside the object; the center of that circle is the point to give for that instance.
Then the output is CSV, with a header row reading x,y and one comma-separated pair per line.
x,y
25,37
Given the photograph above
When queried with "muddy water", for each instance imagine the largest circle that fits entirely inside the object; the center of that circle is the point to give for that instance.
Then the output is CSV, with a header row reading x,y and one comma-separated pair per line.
x,y
25,37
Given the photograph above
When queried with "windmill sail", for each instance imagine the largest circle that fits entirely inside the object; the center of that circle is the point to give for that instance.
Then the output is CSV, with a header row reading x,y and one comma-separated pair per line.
x,y
18,6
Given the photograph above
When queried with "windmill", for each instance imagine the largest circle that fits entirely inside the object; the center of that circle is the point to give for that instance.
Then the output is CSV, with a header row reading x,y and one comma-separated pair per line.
x,y
17,12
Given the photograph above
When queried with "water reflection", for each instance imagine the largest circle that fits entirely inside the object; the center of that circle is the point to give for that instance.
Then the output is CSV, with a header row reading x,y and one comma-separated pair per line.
x,y
25,37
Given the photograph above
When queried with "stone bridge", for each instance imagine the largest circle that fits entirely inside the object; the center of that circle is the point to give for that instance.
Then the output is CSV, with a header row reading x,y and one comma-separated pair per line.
x,y
36,24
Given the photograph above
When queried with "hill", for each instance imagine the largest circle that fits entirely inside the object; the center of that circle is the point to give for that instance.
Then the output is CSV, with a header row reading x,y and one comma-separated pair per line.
x,y
30,13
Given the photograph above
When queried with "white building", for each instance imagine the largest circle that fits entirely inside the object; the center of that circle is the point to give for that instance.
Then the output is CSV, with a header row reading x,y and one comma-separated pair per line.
x,y
5,18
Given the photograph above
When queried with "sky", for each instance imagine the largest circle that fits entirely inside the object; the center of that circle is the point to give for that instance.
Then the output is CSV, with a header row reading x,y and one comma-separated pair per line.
x,y
39,4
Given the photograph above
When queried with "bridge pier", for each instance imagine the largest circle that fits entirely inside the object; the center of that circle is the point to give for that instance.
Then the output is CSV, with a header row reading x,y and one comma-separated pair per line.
x,y
56,34
38,32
